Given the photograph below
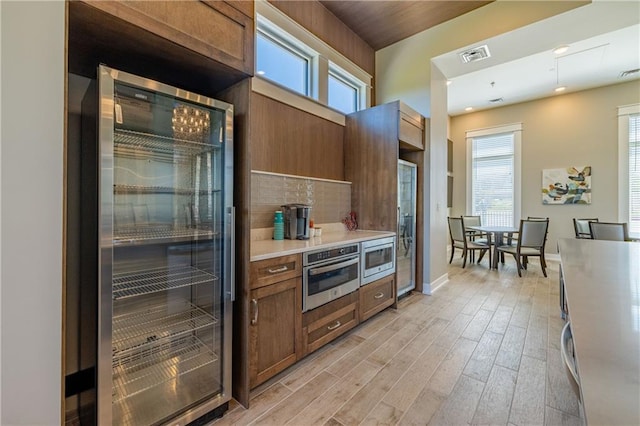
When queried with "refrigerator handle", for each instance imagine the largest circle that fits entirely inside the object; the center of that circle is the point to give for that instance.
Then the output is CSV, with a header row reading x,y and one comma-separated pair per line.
x,y
233,254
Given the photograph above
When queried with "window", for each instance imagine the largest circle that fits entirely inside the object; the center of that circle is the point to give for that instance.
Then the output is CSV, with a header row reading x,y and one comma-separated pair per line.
x,y
493,176
342,95
282,63
629,167
293,58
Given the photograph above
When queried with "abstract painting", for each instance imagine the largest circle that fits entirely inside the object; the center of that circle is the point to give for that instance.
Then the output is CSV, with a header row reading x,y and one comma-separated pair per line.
x,y
566,186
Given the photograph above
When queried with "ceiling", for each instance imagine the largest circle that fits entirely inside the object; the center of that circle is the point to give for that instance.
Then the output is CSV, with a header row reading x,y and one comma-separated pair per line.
x,y
381,23
603,38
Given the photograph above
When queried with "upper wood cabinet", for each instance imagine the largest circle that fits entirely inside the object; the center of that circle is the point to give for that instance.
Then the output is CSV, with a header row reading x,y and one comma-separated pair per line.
x,y
410,128
219,30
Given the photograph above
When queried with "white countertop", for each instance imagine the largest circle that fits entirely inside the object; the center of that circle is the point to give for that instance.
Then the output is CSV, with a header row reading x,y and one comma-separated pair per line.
x,y
266,249
602,285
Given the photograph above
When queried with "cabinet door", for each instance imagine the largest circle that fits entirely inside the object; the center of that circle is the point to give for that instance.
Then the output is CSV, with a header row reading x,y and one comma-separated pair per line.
x,y
275,330
377,296
214,29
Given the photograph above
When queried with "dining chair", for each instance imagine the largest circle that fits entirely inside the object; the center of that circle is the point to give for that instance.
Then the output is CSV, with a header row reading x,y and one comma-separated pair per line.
x,y
460,240
609,231
532,238
474,235
581,227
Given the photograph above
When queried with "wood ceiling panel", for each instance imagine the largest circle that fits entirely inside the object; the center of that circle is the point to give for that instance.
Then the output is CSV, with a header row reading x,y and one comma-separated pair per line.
x,y
381,23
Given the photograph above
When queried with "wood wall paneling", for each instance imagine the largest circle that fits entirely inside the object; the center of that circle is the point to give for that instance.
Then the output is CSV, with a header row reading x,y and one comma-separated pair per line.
x,y
371,154
325,25
290,141
240,96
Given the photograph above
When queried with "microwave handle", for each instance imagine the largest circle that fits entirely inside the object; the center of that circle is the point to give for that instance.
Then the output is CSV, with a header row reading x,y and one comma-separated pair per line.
x,y
332,267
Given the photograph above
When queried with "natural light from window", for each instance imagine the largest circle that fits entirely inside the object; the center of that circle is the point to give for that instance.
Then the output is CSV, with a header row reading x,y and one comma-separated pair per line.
x,y
342,95
281,64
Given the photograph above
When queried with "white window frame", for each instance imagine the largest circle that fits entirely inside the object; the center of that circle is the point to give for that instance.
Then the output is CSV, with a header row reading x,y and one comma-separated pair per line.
x,y
623,160
272,21
285,41
346,78
516,130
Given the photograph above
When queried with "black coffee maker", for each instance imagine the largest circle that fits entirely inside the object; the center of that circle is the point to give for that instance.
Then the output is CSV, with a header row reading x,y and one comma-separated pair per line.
x,y
296,221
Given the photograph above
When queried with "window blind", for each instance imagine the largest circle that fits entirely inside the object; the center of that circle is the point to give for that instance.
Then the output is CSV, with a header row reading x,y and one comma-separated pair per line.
x,y
634,173
492,171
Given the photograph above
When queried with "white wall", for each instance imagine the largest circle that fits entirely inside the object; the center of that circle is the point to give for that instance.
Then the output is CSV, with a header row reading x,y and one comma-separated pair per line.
x,y
32,136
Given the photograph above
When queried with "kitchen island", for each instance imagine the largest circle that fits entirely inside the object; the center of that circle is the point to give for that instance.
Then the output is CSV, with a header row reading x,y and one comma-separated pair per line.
x,y
602,285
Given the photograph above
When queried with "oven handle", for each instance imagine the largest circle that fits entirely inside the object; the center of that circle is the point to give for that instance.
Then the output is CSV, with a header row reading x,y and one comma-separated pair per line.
x,y
315,271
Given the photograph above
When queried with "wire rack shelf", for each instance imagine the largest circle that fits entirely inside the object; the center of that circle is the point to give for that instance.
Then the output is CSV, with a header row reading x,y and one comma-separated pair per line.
x,y
159,234
135,331
158,279
159,144
159,364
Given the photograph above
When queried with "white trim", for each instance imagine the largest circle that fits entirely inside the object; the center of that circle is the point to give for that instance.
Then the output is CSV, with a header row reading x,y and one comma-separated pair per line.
x,y
435,285
260,172
280,19
629,109
507,128
303,103
623,159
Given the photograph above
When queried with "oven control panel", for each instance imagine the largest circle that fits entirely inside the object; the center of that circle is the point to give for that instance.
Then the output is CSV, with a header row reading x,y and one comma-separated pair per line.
x,y
333,253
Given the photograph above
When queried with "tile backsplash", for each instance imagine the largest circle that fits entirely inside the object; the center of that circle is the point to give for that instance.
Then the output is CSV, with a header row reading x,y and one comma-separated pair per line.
x,y
330,200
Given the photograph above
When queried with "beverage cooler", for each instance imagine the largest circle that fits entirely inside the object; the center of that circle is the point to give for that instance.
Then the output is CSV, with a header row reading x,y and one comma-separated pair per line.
x,y
165,227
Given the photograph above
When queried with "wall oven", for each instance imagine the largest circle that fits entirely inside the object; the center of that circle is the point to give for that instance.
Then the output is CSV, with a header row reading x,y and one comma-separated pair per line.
x,y
329,274
378,259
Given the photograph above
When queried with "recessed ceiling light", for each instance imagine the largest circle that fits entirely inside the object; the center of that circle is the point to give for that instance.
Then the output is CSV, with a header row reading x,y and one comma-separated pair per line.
x,y
468,108
260,72
560,89
448,82
561,49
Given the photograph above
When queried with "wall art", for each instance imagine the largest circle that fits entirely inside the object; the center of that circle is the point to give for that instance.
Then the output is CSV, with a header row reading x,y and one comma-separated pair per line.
x,y
566,186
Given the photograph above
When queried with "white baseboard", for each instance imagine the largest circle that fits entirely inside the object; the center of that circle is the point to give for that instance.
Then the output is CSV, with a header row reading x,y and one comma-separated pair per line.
x,y
429,288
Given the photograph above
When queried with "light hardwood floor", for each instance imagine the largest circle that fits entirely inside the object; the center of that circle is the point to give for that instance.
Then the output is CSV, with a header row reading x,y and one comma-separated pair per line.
x,y
483,349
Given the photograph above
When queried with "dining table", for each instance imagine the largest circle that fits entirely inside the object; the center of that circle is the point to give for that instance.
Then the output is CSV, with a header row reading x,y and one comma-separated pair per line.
x,y
495,237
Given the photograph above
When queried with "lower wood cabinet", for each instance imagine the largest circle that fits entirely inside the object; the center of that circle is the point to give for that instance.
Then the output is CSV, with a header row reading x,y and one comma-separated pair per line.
x,y
275,323
376,296
325,323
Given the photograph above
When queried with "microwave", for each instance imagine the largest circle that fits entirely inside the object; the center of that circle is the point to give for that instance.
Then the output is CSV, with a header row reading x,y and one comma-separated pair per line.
x,y
378,259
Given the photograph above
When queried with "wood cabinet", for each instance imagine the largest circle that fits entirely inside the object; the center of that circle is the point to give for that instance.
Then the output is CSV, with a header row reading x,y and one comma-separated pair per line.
x,y
275,317
377,296
410,128
218,30
325,323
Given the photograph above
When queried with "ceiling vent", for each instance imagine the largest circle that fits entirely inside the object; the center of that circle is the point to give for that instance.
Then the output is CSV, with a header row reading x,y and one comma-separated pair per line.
x,y
496,100
629,72
475,54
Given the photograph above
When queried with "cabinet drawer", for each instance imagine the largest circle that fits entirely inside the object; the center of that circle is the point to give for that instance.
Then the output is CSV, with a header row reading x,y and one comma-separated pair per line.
x,y
376,296
269,271
322,325
410,132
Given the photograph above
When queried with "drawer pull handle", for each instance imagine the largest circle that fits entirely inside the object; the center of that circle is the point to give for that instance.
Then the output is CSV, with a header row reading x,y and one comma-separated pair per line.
x,y
334,326
379,295
277,270
254,303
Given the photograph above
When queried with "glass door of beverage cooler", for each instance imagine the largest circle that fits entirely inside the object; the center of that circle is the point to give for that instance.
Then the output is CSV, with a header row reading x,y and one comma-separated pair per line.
x,y
405,249
166,252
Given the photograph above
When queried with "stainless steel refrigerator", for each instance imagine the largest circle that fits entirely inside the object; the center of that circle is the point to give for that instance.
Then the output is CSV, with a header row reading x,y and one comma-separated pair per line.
x,y
165,252
406,248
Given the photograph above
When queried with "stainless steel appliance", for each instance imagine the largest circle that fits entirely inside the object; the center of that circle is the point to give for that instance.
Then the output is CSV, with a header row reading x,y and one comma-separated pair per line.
x,y
296,221
406,249
166,252
329,274
377,259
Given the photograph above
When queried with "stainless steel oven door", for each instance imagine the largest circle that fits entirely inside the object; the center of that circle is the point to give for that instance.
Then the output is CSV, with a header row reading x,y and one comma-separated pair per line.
x,y
327,281
378,259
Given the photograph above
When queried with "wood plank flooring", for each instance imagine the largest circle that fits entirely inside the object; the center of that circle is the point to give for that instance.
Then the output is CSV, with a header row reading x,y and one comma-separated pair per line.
x,y
483,349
